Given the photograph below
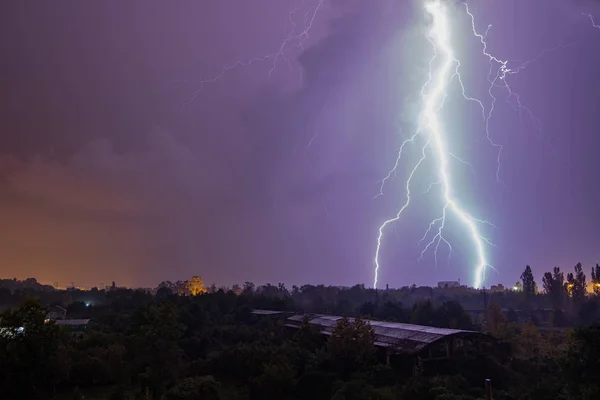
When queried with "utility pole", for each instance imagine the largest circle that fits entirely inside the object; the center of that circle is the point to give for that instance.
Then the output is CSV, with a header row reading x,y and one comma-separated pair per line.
x,y
488,390
485,301
485,309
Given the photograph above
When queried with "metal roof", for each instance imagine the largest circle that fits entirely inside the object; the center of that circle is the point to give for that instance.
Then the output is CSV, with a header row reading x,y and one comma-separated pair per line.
x,y
405,338
72,321
266,312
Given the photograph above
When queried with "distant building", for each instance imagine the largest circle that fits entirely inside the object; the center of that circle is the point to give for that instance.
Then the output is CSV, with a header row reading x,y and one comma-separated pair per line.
x,y
448,284
497,288
74,326
55,313
266,312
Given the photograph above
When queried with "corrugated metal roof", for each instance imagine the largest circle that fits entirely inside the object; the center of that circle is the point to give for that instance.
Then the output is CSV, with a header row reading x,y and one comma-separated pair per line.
x,y
406,338
266,312
72,321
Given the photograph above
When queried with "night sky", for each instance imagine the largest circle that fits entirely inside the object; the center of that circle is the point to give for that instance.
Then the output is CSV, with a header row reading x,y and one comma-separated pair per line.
x,y
117,163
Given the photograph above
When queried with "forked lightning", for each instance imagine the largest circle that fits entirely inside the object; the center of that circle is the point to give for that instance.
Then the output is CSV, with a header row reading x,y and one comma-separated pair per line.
x,y
431,131
295,36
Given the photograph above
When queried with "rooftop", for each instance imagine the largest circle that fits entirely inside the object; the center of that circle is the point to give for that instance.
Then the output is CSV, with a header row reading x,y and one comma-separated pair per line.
x,y
266,312
403,338
72,321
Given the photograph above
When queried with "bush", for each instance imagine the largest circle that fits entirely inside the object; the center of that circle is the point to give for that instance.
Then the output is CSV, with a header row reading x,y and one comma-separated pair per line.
x,y
202,387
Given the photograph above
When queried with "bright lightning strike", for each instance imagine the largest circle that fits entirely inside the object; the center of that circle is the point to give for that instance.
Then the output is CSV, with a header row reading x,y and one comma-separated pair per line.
x,y
295,36
433,94
432,132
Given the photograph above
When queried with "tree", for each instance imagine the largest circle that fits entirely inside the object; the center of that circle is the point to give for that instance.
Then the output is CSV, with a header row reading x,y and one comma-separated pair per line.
x,y
495,320
368,309
547,282
352,343
159,332
201,387
576,285
529,286
275,383
589,312
248,288
596,279
195,286
236,289
529,339
307,337
393,311
423,313
554,286
31,362
582,363
452,315
163,293
282,288
167,284
358,389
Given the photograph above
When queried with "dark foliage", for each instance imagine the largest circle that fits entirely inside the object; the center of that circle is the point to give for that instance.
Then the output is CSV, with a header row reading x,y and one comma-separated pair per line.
x,y
163,345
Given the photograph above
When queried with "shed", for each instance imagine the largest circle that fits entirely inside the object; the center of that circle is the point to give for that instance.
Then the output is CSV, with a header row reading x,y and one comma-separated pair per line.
x,y
400,338
74,325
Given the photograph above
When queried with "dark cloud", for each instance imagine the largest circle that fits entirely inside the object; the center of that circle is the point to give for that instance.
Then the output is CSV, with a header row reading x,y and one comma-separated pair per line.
x,y
89,159
104,176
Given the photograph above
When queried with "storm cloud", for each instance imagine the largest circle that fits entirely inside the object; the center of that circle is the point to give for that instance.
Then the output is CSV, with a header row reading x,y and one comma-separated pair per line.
x,y
109,173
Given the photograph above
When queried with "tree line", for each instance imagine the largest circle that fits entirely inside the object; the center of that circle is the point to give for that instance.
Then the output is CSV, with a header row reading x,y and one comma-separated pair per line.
x,y
568,294
164,345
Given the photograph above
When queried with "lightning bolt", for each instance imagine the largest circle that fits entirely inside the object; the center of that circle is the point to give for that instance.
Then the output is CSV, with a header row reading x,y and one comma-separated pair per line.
x,y
295,36
499,79
432,133
433,136
591,17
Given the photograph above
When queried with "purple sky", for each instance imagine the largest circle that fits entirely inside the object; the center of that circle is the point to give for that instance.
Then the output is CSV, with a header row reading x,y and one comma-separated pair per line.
x,y
105,176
